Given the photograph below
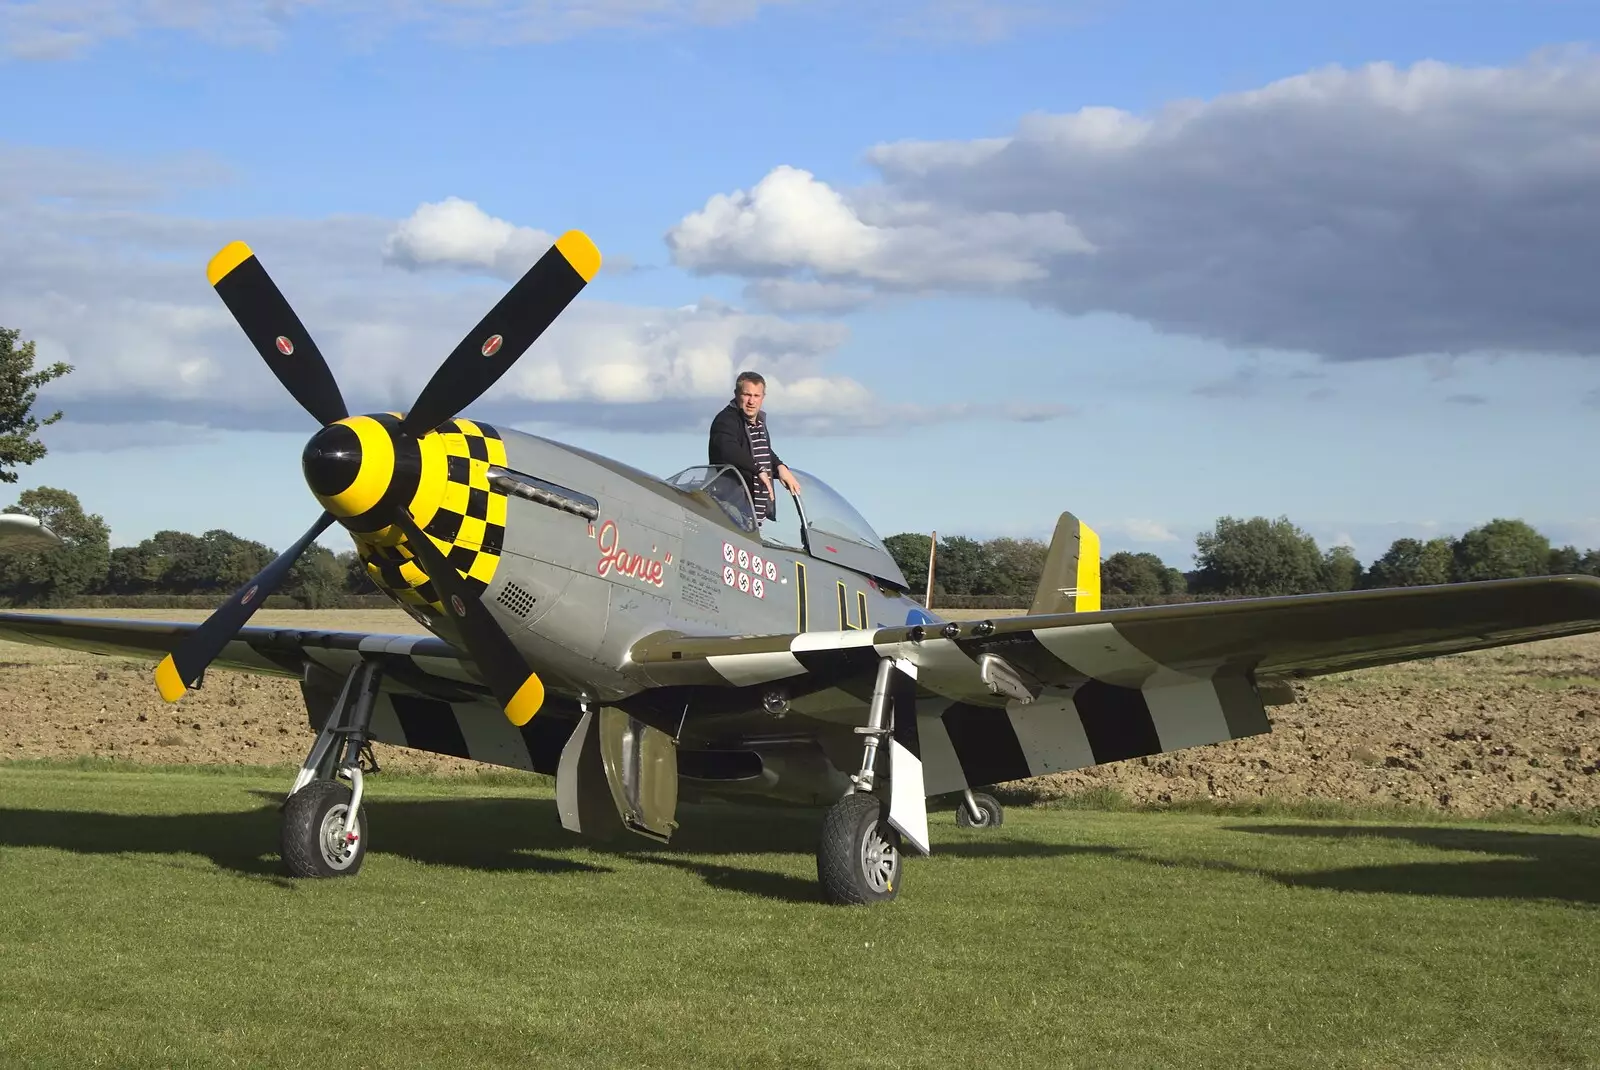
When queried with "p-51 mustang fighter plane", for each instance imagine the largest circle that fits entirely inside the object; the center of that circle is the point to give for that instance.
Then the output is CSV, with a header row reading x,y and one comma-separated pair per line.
x,y
644,639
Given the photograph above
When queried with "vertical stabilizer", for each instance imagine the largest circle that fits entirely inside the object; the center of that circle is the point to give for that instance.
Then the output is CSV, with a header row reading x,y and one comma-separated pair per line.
x,y
1070,582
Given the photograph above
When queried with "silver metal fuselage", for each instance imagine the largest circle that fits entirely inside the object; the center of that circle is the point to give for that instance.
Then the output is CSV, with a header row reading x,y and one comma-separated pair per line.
x,y
576,592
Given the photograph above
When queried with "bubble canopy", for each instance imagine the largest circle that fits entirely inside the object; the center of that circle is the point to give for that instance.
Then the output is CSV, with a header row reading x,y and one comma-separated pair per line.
x,y
821,522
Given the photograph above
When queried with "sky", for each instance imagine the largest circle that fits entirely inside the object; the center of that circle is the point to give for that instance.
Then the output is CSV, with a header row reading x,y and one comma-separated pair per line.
x,y
1151,262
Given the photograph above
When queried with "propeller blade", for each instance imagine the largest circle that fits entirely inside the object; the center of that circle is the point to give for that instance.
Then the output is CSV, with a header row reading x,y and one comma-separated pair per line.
x,y
519,691
275,331
502,336
179,669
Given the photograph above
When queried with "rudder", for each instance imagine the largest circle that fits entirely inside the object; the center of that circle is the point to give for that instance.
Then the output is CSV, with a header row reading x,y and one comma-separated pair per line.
x,y
1070,581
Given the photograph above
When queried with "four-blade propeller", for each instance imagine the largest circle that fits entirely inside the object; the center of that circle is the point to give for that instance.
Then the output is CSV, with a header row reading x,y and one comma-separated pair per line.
x,y
340,461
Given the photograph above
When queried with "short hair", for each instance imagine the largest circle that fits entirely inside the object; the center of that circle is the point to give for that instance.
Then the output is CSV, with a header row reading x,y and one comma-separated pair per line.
x,y
750,377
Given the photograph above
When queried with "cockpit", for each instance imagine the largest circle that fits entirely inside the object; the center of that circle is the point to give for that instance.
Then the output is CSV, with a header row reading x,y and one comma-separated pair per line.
x,y
818,521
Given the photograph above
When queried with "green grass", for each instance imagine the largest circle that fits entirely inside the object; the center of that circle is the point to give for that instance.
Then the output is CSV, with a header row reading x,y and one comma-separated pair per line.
x,y
146,924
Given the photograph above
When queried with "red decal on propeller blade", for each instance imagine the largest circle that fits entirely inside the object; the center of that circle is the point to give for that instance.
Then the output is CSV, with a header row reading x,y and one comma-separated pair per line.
x,y
285,346
492,345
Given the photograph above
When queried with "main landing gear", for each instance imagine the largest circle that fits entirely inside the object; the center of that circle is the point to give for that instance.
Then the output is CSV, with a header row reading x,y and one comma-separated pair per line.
x,y
859,858
324,831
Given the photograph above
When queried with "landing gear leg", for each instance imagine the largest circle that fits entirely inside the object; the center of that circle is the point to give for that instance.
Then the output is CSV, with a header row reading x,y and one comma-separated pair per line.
x,y
979,811
859,859
324,830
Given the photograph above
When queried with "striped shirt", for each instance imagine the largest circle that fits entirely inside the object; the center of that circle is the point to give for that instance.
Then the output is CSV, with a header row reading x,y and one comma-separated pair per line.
x,y
761,449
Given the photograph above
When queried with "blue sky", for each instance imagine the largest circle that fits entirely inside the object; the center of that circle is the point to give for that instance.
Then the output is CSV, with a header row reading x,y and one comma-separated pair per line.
x,y
1152,262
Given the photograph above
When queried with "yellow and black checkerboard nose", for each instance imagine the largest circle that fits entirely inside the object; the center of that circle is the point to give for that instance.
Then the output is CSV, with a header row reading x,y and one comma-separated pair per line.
x,y
455,506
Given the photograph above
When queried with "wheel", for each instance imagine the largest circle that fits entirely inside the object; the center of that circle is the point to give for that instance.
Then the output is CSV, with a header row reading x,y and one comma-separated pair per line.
x,y
989,808
858,860
312,820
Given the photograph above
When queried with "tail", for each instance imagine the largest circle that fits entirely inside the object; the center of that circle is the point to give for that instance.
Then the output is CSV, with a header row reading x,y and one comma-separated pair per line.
x,y
1070,582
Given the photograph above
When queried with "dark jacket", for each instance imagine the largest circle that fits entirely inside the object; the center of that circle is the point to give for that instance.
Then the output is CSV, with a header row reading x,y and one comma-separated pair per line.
x,y
730,444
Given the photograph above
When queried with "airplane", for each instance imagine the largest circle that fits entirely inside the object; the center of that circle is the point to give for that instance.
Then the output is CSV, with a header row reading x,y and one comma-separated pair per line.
x,y
647,640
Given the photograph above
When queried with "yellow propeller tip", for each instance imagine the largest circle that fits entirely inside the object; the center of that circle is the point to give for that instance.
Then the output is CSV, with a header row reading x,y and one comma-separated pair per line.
x,y
168,680
580,252
526,702
231,256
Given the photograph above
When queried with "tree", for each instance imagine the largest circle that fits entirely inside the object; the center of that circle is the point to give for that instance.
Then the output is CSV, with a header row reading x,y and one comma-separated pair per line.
x,y
1015,566
1141,575
1412,563
1257,557
962,566
19,388
1500,549
1340,569
316,578
1566,561
1590,565
79,564
910,552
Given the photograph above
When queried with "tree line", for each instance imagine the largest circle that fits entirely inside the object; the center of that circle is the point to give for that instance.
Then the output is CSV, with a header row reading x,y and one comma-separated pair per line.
x,y
1237,558
169,563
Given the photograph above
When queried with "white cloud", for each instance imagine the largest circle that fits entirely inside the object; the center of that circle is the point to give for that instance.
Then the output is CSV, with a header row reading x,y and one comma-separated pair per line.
x,y
120,293
791,222
457,233
1363,213
61,29
1147,531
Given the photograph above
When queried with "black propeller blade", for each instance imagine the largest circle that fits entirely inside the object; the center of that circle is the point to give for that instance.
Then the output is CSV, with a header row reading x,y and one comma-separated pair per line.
x,y
275,331
511,326
179,669
519,691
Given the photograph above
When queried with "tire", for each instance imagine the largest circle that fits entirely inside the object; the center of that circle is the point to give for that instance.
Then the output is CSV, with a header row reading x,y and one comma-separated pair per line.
x,y
859,858
993,814
309,816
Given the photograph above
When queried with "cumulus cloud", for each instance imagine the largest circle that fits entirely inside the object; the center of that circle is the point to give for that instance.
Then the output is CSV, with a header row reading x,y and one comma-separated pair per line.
x,y
119,291
457,233
61,29
1350,213
791,222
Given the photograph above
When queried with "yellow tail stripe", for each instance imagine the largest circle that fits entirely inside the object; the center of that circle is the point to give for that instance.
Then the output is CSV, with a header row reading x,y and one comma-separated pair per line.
x,y
526,702
1088,600
229,257
168,680
580,253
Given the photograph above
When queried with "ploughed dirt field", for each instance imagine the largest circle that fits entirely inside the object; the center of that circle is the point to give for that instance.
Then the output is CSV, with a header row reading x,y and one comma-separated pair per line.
x,y
1470,734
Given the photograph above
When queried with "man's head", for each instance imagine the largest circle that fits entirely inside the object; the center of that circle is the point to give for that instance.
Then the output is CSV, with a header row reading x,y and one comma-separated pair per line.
x,y
748,392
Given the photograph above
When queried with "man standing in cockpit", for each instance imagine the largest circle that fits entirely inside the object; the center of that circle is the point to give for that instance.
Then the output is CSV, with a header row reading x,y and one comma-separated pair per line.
x,y
739,437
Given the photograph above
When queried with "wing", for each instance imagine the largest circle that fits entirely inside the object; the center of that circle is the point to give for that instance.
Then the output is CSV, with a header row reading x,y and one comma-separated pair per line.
x,y
425,662
430,698
1020,696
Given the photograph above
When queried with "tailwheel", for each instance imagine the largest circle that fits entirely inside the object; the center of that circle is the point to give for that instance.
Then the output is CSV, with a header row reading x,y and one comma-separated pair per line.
x,y
979,811
319,837
858,860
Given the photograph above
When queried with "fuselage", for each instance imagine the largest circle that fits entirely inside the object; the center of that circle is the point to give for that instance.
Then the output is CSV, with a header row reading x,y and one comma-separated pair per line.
x,y
579,556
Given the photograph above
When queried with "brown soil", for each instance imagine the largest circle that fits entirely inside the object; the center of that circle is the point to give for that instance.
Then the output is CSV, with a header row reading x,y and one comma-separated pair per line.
x,y
1470,734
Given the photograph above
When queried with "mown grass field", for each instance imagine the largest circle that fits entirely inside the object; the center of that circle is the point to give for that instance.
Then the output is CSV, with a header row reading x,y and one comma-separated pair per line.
x,y
146,924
